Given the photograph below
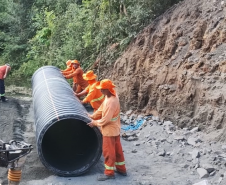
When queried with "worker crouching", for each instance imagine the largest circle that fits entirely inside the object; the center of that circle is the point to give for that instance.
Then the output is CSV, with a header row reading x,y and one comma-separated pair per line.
x,y
107,117
94,95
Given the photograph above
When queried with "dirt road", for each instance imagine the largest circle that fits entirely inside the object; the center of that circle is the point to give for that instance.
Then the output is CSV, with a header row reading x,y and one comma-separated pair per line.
x,y
156,154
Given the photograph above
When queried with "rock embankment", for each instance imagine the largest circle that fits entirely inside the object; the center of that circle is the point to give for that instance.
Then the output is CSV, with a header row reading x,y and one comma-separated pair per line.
x,y
176,67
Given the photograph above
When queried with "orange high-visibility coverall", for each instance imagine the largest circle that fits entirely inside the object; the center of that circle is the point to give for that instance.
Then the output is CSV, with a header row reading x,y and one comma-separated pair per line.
x,y
108,118
69,71
69,68
77,78
94,96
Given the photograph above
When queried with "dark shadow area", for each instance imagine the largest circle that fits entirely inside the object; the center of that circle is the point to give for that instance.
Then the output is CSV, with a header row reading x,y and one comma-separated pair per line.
x,y
69,145
88,108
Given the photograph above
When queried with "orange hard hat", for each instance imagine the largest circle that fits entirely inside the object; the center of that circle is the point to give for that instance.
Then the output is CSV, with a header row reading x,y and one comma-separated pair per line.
x,y
106,84
75,62
68,63
89,75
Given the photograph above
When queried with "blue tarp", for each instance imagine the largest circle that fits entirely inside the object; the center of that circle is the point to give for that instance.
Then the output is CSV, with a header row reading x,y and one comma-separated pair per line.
x,y
136,125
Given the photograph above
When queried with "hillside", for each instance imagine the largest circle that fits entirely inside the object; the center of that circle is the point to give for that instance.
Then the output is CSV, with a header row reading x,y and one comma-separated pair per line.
x,y
176,66
171,84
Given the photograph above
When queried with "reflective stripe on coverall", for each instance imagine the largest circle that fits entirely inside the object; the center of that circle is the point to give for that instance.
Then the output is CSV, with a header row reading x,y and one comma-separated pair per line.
x,y
94,96
108,118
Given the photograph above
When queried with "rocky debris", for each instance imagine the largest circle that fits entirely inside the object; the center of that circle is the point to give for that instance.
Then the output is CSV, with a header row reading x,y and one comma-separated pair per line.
x,y
195,154
155,118
208,167
223,148
184,165
136,144
194,141
194,130
186,147
213,173
161,153
205,182
179,137
155,157
129,112
132,118
134,151
202,173
218,182
129,136
169,127
132,138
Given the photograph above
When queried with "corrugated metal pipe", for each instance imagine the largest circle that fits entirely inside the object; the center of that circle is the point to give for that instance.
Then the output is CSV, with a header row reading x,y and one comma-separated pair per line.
x,y
66,145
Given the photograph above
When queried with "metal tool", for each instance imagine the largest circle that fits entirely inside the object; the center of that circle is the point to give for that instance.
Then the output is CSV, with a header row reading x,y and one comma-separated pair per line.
x,y
13,155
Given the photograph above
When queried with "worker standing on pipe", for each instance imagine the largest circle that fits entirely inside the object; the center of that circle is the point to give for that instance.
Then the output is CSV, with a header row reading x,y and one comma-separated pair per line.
x,y
79,83
108,118
94,95
69,67
4,70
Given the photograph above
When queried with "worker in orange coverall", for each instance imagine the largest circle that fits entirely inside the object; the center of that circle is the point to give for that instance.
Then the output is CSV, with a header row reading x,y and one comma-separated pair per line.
x,y
69,67
94,95
4,70
108,118
79,83
69,70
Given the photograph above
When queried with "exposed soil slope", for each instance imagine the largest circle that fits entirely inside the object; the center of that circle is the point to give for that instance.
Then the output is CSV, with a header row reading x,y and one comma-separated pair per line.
x,y
176,67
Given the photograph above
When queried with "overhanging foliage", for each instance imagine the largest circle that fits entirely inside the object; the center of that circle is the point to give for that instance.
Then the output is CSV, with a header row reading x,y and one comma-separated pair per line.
x,y
44,32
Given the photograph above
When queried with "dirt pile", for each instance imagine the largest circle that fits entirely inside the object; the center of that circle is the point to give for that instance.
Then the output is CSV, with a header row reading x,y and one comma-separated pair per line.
x,y
176,67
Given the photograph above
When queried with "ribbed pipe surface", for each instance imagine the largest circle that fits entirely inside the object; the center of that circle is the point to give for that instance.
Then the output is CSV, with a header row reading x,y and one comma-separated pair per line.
x,y
66,145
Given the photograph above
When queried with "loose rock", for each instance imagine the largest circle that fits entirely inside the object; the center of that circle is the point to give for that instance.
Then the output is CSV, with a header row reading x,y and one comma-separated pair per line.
x,y
202,173
208,167
195,154
205,182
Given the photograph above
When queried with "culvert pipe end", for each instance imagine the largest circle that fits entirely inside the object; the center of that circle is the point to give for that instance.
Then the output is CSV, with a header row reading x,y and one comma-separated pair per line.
x,y
66,145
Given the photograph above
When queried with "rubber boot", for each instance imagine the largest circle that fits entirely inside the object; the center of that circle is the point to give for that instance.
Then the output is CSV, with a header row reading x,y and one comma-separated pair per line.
x,y
4,99
105,177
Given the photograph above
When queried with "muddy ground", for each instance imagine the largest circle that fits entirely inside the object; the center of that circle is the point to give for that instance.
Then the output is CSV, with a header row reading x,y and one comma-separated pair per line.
x,y
156,154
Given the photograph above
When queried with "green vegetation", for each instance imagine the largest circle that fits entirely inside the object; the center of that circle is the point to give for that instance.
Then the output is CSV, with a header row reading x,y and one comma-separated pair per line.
x,y
34,33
